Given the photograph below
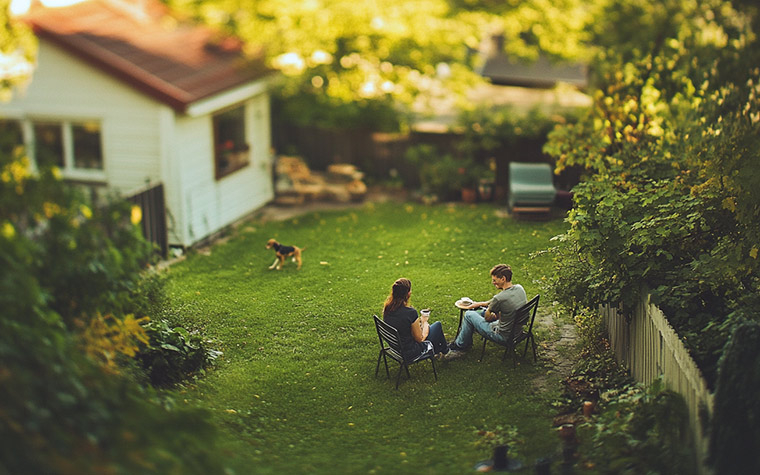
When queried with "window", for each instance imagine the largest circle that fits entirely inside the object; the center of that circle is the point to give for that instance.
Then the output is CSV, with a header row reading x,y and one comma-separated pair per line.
x,y
48,139
75,147
10,136
231,150
87,151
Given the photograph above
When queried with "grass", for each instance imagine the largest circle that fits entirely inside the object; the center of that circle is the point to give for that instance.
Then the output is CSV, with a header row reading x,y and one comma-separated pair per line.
x,y
295,391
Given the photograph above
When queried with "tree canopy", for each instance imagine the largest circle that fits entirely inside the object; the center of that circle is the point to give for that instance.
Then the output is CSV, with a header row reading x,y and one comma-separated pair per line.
x,y
671,150
347,53
18,50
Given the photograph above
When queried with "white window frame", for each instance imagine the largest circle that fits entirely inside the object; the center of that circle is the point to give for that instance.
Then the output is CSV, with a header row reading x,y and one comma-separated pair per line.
x,y
69,170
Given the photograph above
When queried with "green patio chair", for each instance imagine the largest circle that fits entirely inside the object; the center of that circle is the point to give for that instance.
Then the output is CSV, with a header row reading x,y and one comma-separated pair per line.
x,y
531,187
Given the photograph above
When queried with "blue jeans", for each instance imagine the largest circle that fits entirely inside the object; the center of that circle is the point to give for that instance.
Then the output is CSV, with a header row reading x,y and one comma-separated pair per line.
x,y
472,322
435,336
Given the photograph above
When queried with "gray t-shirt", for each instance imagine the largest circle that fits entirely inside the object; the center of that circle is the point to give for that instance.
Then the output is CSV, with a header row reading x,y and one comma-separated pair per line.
x,y
506,303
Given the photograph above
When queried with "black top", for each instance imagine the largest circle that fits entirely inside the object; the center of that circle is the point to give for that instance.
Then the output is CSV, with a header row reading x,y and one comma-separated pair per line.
x,y
401,319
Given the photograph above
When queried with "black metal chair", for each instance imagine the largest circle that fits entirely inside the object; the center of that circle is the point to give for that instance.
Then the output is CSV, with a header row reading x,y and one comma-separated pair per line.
x,y
390,346
524,317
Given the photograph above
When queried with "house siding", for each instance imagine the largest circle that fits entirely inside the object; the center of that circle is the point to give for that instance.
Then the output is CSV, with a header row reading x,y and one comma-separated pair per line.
x,y
65,88
210,204
148,142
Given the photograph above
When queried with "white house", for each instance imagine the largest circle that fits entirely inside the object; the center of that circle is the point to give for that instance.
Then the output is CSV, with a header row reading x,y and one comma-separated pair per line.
x,y
124,96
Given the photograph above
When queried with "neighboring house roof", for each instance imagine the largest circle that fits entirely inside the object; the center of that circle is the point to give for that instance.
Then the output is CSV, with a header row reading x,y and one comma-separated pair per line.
x,y
542,73
142,46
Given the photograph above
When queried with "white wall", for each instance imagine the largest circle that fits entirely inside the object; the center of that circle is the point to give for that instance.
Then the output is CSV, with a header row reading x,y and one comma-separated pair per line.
x,y
207,204
146,141
65,88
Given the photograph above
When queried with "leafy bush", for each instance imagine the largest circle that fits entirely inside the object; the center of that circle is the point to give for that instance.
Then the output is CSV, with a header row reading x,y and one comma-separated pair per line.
x,y
149,297
304,106
639,431
736,417
670,149
172,353
69,271
488,129
489,439
443,175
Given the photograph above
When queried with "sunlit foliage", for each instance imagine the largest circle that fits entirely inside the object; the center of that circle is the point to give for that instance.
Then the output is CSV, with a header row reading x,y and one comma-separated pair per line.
x,y
18,49
671,150
350,53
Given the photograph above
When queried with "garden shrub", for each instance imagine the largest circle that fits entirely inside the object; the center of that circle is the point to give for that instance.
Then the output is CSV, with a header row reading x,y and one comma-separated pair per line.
x,y
490,438
172,353
736,416
149,296
305,107
638,431
441,174
670,151
633,429
69,270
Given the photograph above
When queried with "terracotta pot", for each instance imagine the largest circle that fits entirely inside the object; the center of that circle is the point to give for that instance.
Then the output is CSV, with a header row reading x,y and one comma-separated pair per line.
x,y
469,195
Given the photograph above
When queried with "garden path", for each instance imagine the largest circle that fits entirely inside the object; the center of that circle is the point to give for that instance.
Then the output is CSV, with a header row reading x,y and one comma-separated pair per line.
x,y
556,352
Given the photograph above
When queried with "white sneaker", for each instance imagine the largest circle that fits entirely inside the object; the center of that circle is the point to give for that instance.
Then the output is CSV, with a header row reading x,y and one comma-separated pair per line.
x,y
453,354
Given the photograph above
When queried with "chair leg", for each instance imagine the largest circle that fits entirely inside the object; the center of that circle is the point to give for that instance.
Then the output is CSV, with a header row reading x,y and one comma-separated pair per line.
x,y
398,376
530,341
432,360
385,360
483,352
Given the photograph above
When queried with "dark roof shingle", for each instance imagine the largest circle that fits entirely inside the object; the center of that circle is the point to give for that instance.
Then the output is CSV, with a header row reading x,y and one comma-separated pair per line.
x,y
174,63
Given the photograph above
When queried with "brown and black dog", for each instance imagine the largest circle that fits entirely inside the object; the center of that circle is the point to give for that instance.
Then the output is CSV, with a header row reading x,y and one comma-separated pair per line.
x,y
282,252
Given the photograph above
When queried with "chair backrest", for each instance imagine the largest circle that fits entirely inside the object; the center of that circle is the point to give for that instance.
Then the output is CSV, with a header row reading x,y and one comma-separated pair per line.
x,y
531,173
388,336
524,315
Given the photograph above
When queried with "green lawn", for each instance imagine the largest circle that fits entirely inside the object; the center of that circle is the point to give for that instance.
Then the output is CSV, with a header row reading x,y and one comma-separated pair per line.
x,y
295,391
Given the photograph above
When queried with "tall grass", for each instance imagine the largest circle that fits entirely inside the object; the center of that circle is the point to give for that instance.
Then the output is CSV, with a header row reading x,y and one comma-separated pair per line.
x,y
296,392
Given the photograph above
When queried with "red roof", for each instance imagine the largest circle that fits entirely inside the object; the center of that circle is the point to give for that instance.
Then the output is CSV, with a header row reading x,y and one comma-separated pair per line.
x,y
174,63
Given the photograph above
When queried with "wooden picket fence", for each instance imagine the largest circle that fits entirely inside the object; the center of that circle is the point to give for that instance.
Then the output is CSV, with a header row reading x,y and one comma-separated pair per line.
x,y
650,348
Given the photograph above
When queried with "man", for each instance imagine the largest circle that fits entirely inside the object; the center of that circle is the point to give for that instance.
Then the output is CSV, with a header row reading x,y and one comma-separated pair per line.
x,y
493,322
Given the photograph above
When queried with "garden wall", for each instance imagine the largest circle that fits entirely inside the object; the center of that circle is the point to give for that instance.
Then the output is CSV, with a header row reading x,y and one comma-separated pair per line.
x,y
649,347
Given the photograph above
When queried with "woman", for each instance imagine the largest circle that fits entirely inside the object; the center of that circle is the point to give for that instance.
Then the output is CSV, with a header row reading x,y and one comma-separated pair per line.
x,y
418,337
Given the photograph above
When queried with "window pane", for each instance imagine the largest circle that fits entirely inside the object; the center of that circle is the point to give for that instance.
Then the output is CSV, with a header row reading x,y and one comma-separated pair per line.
x,y
10,136
87,150
48,144
230,129
230,147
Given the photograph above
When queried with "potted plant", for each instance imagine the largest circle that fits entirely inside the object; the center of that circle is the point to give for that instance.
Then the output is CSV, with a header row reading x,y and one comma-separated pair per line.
x,y
477,180
469,183
451,177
